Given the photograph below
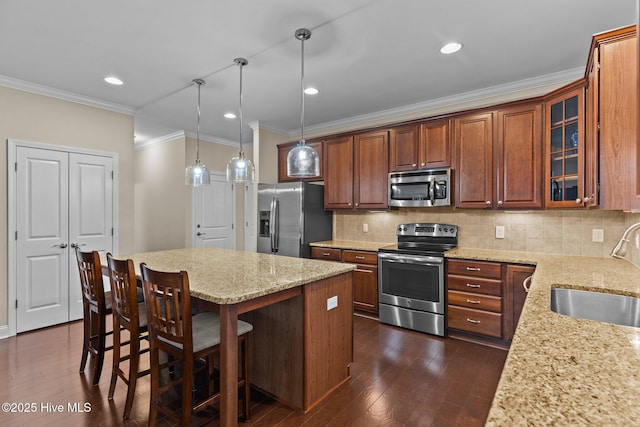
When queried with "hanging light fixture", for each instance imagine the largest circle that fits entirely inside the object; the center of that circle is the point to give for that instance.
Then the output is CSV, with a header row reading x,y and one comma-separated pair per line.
x,y
197,174
239,168
302,160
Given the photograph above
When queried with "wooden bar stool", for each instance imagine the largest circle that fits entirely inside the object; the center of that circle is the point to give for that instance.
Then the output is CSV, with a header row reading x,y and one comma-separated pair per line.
x,y
186,339
96,305
131,315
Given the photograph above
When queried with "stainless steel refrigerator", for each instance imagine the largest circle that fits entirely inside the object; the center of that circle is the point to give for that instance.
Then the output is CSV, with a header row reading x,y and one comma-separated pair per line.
x,y
290,216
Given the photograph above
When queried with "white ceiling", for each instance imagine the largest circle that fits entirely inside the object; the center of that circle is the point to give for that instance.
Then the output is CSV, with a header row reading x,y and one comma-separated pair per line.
x,y
367,57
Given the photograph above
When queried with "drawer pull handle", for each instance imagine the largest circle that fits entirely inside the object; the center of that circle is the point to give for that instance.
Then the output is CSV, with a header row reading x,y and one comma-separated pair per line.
x,y
472,285
359,257
475,322
473,301
363,271
473,268
326,254
527,284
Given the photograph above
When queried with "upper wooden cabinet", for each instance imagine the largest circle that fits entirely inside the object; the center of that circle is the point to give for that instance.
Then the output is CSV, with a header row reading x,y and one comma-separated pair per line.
x,y
357,171
338,180
518,148
499,158
283,151
420,146
612,116
473,139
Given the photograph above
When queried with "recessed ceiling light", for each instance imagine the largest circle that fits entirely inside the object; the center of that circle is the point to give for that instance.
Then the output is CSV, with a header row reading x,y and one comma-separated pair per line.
x,y
229,115
113,80
450,48
311,91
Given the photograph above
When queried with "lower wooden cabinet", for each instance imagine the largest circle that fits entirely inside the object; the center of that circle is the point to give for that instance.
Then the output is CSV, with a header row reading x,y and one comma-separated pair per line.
x,y
365,277
485,299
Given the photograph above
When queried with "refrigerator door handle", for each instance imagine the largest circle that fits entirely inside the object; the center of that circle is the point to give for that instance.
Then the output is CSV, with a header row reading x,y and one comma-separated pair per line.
x,y
272,223
276,237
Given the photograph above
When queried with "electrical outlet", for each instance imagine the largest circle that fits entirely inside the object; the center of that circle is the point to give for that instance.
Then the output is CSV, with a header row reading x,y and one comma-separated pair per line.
x,y
499,231
597,235
365,228
332,302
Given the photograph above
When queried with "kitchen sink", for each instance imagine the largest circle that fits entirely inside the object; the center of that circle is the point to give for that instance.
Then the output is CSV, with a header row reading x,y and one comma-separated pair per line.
x,y
608,308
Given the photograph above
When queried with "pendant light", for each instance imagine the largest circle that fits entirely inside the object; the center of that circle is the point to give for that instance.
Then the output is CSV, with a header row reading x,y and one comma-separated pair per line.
x,y
302,160
197,174
239,168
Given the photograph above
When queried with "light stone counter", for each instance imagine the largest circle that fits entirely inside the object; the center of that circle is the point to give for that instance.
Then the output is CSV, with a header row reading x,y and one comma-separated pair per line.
x,y
355,245
226,276
561,370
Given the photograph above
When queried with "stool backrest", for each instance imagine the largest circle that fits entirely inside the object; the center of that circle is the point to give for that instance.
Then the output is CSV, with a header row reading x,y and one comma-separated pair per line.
x,y
168,304
124,294
91,278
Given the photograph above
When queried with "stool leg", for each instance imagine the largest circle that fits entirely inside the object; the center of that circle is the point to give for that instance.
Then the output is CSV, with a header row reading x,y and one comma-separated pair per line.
x,y
101,338
134,357
86,338
155,385
115,367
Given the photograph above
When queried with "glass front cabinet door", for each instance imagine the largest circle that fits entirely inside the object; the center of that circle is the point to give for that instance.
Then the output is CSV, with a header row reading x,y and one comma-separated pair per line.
x,y
565,147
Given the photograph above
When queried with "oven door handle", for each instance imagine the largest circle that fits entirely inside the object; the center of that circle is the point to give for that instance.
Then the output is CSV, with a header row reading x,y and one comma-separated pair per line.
x,y
411,259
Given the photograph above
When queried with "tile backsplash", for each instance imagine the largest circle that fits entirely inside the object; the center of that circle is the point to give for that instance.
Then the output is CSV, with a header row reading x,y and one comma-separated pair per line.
x,y
567,232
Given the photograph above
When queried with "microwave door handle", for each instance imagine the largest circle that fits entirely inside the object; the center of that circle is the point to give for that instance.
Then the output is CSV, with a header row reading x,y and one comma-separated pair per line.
x,y
432,191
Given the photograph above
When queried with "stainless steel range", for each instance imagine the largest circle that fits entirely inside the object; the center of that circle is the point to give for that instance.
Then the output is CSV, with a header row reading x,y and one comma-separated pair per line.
x,y
411,277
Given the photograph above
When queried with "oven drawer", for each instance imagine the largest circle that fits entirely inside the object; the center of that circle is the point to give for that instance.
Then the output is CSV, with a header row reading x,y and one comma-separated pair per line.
x,y
475,301
330,254
475,268
477,321
360,257
475,285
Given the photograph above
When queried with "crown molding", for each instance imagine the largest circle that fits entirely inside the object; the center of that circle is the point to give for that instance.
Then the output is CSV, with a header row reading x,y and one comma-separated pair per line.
x,y
65,95
540,82
160,140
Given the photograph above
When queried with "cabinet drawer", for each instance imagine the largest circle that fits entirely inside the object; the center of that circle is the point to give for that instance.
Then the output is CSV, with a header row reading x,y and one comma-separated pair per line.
x,y
475,301
477,321
475,268
474,284
360,257
330,254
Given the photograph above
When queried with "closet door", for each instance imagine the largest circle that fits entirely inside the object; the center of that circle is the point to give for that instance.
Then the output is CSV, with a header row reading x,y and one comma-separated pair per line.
x,y
90,216
42,269
64,200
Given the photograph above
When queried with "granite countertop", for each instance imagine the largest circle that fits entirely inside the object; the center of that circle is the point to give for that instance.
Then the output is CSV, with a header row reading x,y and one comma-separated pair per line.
x,y
355,245
561,370
226,276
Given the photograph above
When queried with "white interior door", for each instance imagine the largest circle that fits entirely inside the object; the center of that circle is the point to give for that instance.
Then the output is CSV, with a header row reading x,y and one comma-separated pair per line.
x,y
42,227
214,214
90,216
250,218
63,200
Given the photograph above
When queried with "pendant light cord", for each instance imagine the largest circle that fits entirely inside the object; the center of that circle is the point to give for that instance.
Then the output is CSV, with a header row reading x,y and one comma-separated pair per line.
x,y
302,94
199,82
240,110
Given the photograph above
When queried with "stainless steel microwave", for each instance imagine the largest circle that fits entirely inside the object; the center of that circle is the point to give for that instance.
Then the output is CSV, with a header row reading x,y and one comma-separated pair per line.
x,y
429,187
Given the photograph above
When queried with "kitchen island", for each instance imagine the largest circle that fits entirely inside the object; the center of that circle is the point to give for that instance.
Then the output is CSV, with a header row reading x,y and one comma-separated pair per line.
x,y
302,342
561,370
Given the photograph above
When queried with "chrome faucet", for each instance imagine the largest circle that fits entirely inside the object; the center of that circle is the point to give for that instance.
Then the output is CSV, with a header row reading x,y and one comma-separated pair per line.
x,y
620,250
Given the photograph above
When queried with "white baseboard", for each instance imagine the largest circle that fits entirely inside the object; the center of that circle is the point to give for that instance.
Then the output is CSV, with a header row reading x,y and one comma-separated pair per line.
x,y
4,332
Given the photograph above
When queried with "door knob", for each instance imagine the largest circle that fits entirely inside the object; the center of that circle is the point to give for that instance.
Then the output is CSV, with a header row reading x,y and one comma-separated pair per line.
x,y
200,234
61,245
77,245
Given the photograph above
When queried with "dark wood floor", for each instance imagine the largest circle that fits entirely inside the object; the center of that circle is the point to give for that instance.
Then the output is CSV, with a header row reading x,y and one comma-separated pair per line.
x,y
399,377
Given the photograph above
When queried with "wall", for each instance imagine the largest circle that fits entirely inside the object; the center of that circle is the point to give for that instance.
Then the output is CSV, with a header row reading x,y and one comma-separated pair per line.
x,y
37,118
268,159
553,231
161,196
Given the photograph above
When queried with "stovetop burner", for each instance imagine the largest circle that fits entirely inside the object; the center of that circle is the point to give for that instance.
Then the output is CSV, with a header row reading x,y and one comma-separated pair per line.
x,y
424,238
